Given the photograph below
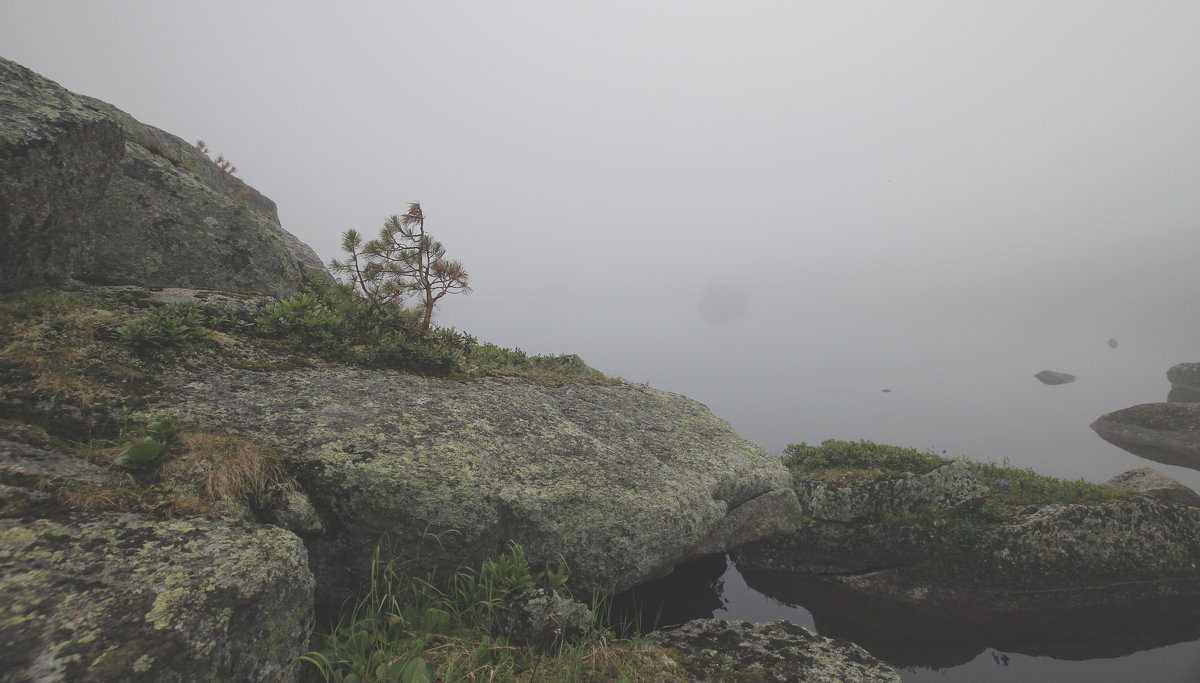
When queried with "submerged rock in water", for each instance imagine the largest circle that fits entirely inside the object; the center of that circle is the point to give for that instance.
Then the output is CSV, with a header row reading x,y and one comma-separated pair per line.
x,y
1163,432
1151,482
1185,383
1054,378
719,650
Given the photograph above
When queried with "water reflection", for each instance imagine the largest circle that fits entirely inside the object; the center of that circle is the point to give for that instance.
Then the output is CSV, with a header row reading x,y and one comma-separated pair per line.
x,y
693,591
1095,645
908,636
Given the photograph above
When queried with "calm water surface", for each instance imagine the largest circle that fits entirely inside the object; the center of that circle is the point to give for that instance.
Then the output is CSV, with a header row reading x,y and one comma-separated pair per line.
x,y
963,391
1160,643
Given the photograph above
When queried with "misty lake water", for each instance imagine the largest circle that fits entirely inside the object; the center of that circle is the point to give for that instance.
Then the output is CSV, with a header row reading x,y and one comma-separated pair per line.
x,y
959,390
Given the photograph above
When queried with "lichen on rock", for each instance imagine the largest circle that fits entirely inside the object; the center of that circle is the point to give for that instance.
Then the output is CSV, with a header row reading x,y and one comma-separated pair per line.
x,y
118,596
86,191
622,482
719,650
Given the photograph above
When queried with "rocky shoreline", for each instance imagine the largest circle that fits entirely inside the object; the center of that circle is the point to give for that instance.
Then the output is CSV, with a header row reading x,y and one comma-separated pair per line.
x,y
292,476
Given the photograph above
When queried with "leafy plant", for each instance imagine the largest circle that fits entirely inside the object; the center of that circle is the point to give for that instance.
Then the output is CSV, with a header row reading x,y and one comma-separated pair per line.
x,y
145,452
164,328
403,260
335,324
304,319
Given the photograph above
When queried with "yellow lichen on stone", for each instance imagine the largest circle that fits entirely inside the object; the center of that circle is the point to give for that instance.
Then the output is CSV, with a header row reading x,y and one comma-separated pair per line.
x,y
165,608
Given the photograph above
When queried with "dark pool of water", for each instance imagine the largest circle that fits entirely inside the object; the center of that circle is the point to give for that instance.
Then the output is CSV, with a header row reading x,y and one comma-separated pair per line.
x,y
1153,642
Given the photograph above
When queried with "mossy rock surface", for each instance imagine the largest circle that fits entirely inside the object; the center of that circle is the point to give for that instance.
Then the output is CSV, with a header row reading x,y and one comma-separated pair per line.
x,y
1185,383
953,550
88,192
719,650
119,597
622,482
948,486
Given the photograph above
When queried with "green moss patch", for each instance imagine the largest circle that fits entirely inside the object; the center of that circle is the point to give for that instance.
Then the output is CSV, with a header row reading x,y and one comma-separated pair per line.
x,y
1012,487
856,461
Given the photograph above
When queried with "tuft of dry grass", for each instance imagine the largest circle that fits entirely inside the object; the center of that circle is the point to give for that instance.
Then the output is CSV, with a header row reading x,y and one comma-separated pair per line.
x,y
227,467
94,498
183,505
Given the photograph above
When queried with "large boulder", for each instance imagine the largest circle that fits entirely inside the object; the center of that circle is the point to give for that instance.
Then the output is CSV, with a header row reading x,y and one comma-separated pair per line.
x,y
94,595
88,192
622,482
1163,432
57,157
955,556
1185,383
854,527
719,650
1058,557
118,596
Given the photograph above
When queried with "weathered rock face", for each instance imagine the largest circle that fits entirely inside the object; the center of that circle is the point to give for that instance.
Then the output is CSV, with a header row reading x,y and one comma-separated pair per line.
x,y
1185,383
714,649
944,488
1163,432
622,482
1053,378
57,156
822,547
122,597
1059,557
88,192
541,616
846,529
1151,482
1061,547
1054,556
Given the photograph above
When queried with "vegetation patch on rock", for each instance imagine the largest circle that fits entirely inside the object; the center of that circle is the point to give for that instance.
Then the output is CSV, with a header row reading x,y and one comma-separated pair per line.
x,y
983,536
502,621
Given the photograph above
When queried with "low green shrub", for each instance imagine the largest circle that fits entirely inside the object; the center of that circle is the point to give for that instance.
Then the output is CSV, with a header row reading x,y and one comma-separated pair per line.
x,y
1014,487
333,323
848,461
165,328
491,360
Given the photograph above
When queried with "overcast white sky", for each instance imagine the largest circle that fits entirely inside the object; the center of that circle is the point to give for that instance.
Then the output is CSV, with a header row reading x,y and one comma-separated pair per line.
x,y
605,170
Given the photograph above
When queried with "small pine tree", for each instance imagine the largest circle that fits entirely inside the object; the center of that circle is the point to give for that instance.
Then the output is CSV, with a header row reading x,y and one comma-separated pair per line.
x,y
403,260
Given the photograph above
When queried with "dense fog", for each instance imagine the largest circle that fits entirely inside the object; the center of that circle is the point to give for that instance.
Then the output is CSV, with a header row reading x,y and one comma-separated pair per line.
x,y
779,209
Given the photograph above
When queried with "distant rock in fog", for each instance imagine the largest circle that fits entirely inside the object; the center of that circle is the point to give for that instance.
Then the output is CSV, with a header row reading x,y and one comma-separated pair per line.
x,y
1051,377
1185,383
1163,432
